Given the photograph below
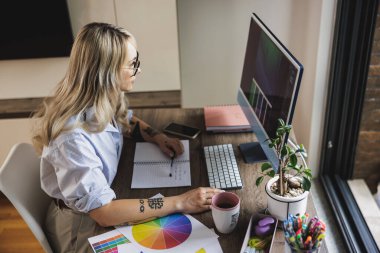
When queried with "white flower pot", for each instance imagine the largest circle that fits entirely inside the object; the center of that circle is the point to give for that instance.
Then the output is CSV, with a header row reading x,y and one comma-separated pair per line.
x,y
280,207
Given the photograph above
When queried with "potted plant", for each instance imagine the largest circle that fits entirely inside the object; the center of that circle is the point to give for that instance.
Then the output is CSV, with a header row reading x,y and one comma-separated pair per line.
x,y
290,183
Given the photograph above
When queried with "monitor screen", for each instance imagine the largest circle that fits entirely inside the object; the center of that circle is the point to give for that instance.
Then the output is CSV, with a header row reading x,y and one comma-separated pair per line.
x,y
270,81
35,29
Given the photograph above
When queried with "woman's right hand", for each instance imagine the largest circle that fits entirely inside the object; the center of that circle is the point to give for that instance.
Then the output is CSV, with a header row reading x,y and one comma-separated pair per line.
x,y
196,200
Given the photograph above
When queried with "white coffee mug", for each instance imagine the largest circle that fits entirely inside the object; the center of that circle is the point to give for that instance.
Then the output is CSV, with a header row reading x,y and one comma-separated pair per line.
x,y
225,208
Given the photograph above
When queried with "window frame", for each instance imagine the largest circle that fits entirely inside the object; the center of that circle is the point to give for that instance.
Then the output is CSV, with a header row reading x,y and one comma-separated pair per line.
x,y
353,39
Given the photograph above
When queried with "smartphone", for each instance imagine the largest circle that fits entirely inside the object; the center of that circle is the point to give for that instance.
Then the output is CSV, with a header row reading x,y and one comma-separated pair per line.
x,y
182,130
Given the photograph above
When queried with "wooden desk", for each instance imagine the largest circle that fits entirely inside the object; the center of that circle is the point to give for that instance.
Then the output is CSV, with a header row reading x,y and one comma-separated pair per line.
x,y
253,199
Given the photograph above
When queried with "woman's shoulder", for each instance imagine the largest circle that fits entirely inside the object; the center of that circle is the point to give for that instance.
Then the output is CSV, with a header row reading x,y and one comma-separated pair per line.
x,y
68,139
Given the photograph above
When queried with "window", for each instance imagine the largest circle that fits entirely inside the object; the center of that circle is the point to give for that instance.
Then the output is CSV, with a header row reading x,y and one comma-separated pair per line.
x,y
354,31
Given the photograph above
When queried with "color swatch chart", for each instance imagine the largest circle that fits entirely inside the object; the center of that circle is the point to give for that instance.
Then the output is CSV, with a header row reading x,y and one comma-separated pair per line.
x,y
109,245
170,234
163,233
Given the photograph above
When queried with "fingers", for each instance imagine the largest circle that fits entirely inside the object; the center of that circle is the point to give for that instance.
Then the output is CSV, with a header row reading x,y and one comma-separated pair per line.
x,y
209,193
171,146
175,145
199,199
181,148
216,190
208,202
169,152
211,190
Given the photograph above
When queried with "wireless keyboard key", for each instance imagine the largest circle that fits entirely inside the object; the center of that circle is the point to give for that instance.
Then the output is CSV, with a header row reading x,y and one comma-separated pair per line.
x,y
221,166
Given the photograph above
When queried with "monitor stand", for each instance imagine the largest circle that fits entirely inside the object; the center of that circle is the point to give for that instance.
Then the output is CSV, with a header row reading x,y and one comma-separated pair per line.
x,y
252,152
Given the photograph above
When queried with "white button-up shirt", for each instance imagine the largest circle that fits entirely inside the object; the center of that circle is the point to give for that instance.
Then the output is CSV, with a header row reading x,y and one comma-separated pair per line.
x,y
79,166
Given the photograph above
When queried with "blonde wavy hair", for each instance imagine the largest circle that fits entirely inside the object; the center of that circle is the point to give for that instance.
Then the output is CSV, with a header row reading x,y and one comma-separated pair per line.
x,y
92,80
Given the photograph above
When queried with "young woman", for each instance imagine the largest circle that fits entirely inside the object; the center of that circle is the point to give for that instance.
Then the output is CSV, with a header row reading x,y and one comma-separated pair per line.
x,y
79,134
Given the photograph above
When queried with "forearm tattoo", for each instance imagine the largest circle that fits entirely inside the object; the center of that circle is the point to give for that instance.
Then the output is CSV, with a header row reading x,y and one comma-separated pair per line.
x,y
142,208
151,132
156,203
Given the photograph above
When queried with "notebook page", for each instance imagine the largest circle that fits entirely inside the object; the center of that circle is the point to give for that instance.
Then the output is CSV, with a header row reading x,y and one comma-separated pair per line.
x,y
149,152
151,167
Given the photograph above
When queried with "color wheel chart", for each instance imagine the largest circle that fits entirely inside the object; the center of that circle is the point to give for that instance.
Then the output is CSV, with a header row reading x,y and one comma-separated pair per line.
x,y
163,233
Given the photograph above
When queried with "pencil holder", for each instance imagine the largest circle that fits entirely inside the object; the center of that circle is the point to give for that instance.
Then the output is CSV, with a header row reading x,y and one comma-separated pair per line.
x,y
303,235
297,250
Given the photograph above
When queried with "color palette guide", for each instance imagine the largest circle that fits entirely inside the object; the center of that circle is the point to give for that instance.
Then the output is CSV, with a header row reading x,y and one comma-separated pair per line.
x,y
164,233
172,233
108,242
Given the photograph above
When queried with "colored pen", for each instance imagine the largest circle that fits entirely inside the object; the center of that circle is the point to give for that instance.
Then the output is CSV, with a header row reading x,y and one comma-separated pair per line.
x,y
299,239
308,242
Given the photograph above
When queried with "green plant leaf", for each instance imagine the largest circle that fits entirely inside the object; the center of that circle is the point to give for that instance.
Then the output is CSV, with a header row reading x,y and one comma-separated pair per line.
x,y
281,122
308,173
259,180
271,173
265,166
301,149
291,152
293,160
291,166
306,185
296,168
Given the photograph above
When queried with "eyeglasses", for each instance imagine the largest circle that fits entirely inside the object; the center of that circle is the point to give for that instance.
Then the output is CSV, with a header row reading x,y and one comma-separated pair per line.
x,y
136,65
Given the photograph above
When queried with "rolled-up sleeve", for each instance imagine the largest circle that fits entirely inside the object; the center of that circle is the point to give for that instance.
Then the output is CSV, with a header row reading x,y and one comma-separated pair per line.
x,y
80,179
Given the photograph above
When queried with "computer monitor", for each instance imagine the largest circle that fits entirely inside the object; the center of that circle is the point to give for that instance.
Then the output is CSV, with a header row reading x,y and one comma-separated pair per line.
x,y
268,91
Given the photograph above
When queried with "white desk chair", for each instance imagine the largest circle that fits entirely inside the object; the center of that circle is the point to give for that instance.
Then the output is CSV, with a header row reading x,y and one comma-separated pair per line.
x,y
20,183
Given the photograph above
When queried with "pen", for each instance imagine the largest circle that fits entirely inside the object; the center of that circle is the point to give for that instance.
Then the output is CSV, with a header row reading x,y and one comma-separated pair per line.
x,y
308,242
171,165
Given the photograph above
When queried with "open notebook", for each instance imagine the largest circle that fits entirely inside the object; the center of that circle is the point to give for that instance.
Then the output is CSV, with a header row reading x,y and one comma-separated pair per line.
x,y
151,167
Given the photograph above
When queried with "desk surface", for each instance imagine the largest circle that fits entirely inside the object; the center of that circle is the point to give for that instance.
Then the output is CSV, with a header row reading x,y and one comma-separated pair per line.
x,y
253,198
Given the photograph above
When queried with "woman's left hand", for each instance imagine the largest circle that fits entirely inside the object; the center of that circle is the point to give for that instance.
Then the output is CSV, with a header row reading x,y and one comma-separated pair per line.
x,y
170,146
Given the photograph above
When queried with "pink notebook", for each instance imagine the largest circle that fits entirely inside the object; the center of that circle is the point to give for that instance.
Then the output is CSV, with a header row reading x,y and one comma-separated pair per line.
x,y
225,118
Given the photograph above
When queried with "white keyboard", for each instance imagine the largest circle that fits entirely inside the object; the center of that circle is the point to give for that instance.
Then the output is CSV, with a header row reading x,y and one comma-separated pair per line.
x,y
222,169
